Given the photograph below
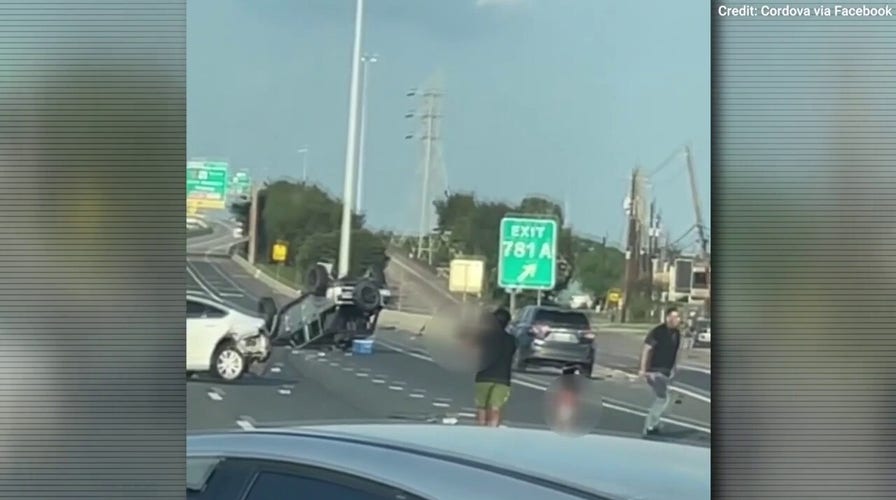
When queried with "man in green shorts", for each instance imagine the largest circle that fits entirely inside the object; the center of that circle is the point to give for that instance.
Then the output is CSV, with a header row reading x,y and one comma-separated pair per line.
x,y
493,381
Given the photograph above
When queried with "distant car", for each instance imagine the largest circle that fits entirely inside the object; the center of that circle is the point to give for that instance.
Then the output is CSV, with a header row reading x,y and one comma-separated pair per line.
x,y
221,340
414,461
238,232
702,333
553,336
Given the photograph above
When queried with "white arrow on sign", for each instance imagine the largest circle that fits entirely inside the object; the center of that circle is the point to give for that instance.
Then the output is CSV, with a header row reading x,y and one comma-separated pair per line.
x,y
528,272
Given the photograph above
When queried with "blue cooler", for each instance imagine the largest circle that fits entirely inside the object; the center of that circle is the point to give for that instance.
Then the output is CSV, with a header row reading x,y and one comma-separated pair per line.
x,y
362,346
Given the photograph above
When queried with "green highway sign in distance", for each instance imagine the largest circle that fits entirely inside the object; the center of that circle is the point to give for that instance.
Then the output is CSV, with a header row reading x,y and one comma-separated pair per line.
x,y
240,183
527,257
207,184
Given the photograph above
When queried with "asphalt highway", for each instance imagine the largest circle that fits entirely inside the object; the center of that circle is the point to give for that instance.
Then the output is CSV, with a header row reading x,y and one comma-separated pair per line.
x,y
400,380
417,291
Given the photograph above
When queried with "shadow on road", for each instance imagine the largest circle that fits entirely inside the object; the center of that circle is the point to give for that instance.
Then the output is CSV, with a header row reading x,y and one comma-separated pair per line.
x,y
683,436
248,380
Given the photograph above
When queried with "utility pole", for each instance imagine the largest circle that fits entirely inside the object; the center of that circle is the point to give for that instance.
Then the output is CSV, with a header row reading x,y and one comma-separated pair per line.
x,y
698,210
253,222
633,249
367,60
304,152
345,233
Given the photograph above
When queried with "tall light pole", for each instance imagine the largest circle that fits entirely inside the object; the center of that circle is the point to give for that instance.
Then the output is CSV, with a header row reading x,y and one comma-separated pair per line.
x,y
304,152
345,232
367,60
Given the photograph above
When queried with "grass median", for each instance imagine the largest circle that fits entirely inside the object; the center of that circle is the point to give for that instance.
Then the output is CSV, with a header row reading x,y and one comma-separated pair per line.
x,y
288,275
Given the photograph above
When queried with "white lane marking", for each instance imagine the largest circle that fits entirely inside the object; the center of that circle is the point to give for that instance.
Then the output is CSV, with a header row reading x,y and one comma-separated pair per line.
x,y
417,395
692,394
348,369
466,414
378,380
538,386
275,369
285,390
396,388
672,421
215,396
696,369
193,274
245,425
202,284
362,374
333,363
232,295
440,404
236,286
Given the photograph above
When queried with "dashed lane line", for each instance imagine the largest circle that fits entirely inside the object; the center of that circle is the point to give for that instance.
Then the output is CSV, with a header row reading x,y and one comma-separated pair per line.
x,y
541,387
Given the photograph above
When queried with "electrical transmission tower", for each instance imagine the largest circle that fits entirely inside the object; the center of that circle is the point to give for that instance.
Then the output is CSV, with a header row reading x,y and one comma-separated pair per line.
x,y
433,178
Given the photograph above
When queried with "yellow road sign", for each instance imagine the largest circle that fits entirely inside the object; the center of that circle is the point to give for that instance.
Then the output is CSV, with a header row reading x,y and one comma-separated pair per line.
x,y
278,253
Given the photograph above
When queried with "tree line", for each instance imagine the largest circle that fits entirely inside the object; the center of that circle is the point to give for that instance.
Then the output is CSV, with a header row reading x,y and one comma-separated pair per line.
x,y
308,219
468,226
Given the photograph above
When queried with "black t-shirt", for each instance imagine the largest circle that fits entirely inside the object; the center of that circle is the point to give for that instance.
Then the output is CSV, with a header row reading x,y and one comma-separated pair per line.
x,y
498,350
664,341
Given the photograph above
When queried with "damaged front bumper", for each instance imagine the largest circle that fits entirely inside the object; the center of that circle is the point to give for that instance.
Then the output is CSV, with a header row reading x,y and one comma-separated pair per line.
x,y
255,348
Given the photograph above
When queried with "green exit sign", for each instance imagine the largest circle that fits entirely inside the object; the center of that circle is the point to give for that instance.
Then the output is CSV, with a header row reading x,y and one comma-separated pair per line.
x,y
207,184
528,254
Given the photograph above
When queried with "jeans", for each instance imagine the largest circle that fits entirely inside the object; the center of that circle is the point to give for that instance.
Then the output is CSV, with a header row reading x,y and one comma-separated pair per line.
x,y
660,385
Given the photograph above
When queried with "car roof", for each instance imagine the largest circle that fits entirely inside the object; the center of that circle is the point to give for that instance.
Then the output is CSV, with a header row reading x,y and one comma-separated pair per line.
x,y
441,461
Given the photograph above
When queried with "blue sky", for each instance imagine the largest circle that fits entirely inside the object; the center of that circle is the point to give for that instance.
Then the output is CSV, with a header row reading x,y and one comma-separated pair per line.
x,y
558,97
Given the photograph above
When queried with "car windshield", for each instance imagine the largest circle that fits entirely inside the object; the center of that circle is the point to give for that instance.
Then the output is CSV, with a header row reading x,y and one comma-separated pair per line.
x,y
362,181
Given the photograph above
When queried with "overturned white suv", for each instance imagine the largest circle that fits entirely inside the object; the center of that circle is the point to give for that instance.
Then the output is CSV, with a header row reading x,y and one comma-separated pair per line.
x,y
221,340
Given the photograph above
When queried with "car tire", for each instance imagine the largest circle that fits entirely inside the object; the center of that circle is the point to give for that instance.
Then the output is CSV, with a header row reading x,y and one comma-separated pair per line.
x,y
228,363
317,280
367,296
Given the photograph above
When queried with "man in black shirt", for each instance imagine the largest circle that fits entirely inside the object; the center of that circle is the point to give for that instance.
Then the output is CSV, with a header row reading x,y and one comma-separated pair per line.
x,y
658,360
493,381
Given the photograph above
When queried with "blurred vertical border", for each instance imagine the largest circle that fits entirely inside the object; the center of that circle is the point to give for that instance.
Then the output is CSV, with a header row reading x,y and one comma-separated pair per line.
x,y
92,151
804,191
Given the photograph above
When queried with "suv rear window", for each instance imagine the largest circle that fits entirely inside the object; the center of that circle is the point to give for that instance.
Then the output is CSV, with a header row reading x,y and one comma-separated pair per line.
x,y
565,318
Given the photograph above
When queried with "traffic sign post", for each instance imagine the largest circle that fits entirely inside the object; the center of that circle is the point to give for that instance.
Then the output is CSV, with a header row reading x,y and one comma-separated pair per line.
x,y
207,184
528,254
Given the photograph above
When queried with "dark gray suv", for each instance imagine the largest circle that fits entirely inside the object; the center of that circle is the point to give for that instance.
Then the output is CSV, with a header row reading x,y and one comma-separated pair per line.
x,y
553,336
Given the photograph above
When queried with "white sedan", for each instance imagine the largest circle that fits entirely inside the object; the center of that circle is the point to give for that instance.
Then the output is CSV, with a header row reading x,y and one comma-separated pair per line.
x,y
221,340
